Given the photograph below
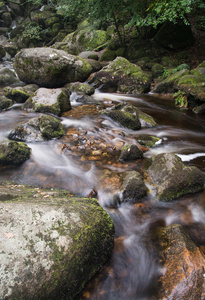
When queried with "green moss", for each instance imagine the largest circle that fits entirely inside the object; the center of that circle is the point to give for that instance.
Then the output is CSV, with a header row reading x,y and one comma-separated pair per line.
x,y
148,141
14,153
51,127
108,55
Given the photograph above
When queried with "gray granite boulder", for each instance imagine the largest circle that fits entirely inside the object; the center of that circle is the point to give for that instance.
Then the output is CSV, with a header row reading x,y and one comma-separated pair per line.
x,y
122,76
38,129
49,67
172,179
54,101
51,243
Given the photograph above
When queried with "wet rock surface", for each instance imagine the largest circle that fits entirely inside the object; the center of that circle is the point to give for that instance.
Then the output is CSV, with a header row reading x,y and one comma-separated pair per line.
x,y
54,101
13,153
183,265
172,178
38,129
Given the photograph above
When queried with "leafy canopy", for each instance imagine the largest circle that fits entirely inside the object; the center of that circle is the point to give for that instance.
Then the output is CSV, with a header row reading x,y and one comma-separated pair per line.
x,y
129,12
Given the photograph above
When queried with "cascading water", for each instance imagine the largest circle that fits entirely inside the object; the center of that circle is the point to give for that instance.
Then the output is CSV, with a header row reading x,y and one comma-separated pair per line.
x,y
133,269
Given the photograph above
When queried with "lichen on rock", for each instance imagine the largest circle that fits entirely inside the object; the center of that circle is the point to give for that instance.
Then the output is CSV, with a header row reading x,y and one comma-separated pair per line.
x,y
55,245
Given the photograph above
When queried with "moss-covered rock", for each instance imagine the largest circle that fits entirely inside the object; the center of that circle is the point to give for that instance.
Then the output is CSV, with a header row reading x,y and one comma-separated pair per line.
x,y
125,115
108,55
81,88
56,244
13,153
17,94
123,76
157,70
49,67
38,129
199,109
182,262
7,77
54,101
5,103
133,187
96,65
130,153
147,140
130,116
193,84
86,38
169,85
172,179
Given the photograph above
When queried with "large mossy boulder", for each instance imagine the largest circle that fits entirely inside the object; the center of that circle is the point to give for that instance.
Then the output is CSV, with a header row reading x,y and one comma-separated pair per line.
x,y
49,67
193,84
189,82
174,36
86,37
172,179
121,76
54,101
54,246
169,85
38,129
183,265
13,153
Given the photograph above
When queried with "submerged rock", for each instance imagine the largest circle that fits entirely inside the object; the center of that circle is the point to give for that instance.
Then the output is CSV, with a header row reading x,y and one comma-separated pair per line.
x,y
172,179
122,76
13,153
183,264
49,67
54,101
55,245
38,129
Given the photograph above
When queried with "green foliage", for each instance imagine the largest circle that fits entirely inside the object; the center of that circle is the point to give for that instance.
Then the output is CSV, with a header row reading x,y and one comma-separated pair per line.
x,y
169,72
180,99
33,31
123,14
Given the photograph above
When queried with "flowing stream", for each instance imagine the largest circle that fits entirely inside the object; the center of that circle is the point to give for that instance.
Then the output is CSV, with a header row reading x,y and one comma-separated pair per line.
x,y
86,159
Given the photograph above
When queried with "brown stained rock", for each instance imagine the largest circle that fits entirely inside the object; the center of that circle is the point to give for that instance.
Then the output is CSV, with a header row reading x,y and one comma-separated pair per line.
x,y
183,264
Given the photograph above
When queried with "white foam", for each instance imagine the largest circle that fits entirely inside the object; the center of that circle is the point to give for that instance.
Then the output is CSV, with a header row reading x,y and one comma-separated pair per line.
x,y
188,157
